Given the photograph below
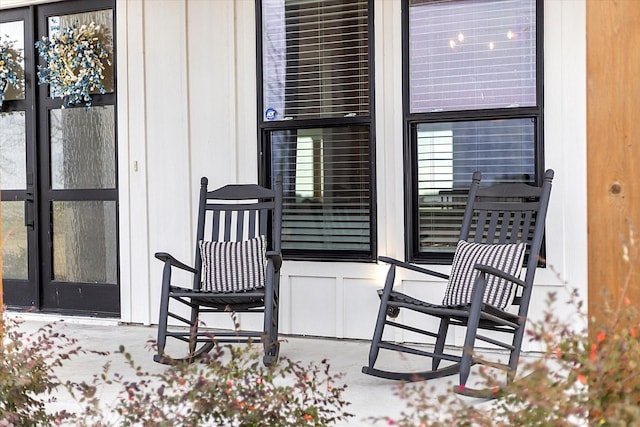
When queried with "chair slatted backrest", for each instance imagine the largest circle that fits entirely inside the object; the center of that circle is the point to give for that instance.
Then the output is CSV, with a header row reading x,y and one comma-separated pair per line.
x,y
509,213
237,212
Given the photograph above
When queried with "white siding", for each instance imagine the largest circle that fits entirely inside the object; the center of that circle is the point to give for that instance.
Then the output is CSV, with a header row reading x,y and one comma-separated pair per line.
x,y
187,108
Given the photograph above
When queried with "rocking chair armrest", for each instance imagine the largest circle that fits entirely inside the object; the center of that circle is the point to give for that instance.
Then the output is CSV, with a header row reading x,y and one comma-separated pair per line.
x,y
412,267
165,257
276,257
501,274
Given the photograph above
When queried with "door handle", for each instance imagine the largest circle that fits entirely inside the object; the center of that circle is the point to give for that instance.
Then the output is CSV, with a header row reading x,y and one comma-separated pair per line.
x,y
28,203
28,210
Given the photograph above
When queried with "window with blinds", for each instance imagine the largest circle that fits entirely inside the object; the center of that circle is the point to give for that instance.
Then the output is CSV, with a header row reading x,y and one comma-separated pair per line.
x,y
315,58
316,124
473,84
470,54
447,156
326,198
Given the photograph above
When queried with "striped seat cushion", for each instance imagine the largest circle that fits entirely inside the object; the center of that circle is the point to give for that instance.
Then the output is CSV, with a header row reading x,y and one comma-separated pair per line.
x,y
499,292
233,266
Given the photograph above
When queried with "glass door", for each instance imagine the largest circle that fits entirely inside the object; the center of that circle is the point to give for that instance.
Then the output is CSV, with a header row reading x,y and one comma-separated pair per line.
x,y
17,163
77,179
65,249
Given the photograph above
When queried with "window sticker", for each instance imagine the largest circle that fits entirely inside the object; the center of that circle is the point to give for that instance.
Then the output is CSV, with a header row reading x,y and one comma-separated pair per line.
x,y
270,114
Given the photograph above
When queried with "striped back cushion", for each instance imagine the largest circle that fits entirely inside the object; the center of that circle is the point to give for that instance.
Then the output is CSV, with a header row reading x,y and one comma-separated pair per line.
x,y
233,266
499,292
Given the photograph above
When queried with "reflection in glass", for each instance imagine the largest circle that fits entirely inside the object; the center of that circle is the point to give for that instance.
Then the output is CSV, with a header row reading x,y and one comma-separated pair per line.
x,y
103,18
315,59
468,55
326,187
13,161
448,154
83,148
14,241
84,242
14,32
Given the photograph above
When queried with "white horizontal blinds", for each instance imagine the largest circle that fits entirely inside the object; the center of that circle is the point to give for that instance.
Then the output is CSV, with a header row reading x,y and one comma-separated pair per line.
x,y
449,153
326,190
315,58
471,54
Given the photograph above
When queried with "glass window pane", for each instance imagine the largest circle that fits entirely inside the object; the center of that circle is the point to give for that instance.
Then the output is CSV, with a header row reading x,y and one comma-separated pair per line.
x,y
84,241
315,58
12,42
13,157
14,241
326,200
472,54
449,153
83,148
103,18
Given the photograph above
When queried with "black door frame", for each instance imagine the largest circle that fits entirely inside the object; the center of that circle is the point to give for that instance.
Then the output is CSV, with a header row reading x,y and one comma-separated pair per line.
x,y
24,292
42,293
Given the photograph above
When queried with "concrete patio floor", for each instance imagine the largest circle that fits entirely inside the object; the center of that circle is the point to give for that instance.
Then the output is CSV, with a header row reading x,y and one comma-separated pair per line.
x,y
368,396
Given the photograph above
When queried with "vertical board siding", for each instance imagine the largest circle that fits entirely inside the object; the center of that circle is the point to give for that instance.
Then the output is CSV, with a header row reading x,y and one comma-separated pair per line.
x,y
169,181
132,166
211,90
187,96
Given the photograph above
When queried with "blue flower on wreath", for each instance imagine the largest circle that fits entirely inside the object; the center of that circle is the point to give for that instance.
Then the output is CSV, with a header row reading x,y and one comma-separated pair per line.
x,y
10,59
75,62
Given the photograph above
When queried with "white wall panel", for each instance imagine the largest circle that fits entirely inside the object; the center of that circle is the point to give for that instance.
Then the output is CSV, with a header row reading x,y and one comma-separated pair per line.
x,y
211,91
134,237
187,108
313,308
167,135
245,91
565,148
389,138
360,307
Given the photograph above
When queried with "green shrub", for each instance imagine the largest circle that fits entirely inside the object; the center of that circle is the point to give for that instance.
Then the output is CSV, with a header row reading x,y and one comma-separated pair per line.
x,y
229,387
580,378
27,374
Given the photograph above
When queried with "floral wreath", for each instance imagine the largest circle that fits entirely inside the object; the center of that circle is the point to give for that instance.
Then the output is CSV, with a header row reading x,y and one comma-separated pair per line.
x,y
9,65
75,61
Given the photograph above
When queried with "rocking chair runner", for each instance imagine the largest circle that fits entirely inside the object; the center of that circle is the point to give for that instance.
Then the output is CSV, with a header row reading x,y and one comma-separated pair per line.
x,y
237,269
499,221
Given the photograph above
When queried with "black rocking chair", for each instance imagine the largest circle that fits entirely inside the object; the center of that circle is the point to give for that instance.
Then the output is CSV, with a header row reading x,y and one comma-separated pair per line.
x,y
237,269
500,223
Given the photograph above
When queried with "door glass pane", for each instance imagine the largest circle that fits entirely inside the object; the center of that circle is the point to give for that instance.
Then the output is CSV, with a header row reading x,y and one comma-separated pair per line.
x,y
103,18
12,42
84,241
13,160
83,148
14,241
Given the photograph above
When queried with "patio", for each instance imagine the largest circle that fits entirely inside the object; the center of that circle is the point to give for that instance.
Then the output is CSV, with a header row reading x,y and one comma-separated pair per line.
x,y
368,396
